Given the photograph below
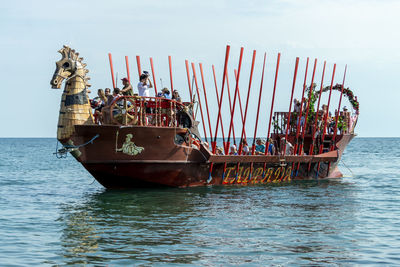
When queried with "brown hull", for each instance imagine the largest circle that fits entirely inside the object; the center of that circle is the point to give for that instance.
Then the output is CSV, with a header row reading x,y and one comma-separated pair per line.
x,y
164,163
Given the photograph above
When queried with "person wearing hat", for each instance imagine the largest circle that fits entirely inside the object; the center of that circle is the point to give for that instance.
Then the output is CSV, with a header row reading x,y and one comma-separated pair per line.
x,y
127,90
144,85
219,151
166,93
260,147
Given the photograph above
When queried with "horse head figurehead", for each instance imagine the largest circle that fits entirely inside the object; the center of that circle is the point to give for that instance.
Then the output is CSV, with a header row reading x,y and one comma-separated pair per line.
x,y
66,66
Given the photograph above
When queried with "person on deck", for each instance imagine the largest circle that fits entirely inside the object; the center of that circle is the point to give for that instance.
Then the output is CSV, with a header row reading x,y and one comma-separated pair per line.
x,y
165,93
103,102
127,90
116,94
297,104
176,96
331,123
219,151
271,147
233,150
245,148
106,111
287,147
260,147
107,93
144,85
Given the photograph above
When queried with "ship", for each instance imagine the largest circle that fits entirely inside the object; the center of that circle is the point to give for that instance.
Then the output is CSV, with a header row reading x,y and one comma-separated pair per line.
x,y
148,142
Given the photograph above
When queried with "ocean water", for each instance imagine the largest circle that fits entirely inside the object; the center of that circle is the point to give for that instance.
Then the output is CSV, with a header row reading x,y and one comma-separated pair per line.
x,y
52,212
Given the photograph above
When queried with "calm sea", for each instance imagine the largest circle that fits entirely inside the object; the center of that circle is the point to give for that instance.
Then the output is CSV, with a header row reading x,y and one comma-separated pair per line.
x,y
52,212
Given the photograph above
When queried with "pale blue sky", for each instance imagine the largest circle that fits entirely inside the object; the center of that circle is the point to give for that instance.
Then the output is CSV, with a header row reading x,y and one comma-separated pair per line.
x,y
362,34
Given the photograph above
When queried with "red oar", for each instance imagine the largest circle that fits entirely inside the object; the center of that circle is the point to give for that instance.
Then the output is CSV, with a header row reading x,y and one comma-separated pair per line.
x,y
112,69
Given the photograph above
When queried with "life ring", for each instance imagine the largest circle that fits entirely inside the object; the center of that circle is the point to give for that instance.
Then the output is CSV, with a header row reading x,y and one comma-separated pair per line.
x,y
196,143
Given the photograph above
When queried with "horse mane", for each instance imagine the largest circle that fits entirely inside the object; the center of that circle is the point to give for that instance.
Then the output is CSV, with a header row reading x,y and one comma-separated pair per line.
x,y
67,52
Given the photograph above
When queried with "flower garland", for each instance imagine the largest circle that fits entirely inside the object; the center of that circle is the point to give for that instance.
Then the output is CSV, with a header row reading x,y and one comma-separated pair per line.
x,y
346,92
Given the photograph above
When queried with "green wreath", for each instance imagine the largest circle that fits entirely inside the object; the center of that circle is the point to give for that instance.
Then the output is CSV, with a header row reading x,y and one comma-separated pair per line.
x,y
346,92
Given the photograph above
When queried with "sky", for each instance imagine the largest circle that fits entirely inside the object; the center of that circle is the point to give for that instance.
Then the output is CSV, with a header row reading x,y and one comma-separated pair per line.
x,y
362,34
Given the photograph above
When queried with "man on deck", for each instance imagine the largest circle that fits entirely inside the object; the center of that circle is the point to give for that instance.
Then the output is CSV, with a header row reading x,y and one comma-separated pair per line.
x,y
144,85
127,90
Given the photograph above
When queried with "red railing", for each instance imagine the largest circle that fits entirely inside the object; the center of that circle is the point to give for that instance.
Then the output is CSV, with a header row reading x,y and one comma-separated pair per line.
x,y
280,122
143,111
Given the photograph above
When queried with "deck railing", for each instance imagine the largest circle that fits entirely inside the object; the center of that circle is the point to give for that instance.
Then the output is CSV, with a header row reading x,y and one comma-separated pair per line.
x,y
143,111
346,122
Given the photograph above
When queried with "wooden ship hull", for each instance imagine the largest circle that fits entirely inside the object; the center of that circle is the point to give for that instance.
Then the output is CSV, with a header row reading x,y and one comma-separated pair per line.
x,y
153,141
164,163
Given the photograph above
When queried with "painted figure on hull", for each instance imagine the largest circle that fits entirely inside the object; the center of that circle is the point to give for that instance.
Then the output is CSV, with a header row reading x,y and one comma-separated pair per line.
x,y
129,147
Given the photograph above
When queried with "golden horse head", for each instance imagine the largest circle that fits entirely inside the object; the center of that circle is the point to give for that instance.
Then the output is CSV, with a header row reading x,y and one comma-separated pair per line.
x,y
69,65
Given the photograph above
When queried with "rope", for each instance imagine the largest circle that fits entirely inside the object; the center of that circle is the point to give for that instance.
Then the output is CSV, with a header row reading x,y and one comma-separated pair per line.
x,y
59,155
341,160
62,153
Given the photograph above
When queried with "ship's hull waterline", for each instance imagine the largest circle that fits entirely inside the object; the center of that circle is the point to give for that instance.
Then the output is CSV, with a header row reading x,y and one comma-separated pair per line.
x,y
159,161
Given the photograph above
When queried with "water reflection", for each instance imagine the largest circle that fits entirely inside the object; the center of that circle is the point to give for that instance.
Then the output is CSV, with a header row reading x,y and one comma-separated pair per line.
x,y
216,225
135,225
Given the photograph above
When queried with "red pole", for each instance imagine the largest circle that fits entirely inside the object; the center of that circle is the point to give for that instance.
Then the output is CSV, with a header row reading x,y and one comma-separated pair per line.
x,y
338,111
154,77
300,115
234,98
218,101
139,68
326,118
308,109
273,97
327,109
308,106
316,114
240,106
337,119
247,101
112,69
272,106
258,107
205,99
253,146
198,95
188,78
245,112
290,106
222,94
214,144
230,109
170,73
127,69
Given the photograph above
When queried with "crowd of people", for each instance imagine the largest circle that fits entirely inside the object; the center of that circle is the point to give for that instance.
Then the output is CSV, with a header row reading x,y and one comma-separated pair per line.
x,y
102,103
298,122
262,147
